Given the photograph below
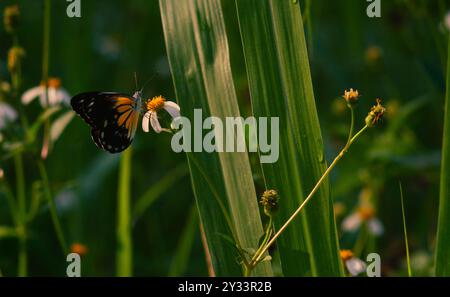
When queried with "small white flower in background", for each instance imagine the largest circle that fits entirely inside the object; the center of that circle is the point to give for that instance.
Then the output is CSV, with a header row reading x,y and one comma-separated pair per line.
x,y
7,114
447,21
364,214
56,94
155,105
354,265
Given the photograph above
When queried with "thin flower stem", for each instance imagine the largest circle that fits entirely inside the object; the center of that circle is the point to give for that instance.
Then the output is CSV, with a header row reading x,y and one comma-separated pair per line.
x,y
21,215
352,125
408,261
360,242
52,207
311,194
124,254
268,233
45,71
11,203
46,41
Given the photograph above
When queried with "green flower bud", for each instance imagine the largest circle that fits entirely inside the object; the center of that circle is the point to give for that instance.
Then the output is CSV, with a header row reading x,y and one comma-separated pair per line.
x,y
270,200
375,114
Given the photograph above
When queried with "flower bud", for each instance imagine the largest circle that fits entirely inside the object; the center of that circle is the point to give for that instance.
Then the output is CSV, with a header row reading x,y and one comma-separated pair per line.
x,y
11,18
351,97
15,55
375,114
270,200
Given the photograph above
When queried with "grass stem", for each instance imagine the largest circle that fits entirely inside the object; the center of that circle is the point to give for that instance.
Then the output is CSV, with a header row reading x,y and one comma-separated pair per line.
x,y
124,255
258,256
52,207
408,262
21,209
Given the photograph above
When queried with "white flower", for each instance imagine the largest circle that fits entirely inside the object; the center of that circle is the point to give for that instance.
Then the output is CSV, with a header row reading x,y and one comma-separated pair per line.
x,y
447,21
354,265
7,114
154,105
56,94
363,214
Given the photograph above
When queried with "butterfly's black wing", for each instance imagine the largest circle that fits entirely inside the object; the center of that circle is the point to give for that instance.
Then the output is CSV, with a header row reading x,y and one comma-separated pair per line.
x,y
113,118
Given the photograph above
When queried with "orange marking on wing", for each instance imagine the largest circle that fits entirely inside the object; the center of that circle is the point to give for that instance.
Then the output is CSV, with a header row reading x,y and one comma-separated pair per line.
x,y
134,120
124,100
123,117
123,108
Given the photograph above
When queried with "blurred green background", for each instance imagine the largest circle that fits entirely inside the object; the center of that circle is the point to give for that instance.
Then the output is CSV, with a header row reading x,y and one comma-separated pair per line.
x,y
399,57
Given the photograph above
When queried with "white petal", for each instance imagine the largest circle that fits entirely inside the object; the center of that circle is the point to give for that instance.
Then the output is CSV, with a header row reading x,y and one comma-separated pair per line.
x,y
65,96
146,121
155,123
352,222
43,99
447,20
61,96
375,226
60,124
355,266
32,94
7,114
53,98
172,108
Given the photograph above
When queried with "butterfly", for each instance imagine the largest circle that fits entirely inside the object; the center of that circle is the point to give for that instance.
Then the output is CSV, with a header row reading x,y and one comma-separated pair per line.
x,y
113,117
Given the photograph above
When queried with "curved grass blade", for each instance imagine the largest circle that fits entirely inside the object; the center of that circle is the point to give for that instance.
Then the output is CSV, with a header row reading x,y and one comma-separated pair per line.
x,y
280,86
443,233
198,54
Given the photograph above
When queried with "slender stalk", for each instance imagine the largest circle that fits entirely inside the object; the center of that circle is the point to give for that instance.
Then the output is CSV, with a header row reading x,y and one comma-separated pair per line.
x,y
124,255
45,71
408,262
11,203
257,257
360,242
21,209
268,233
352,125
52,207
46,41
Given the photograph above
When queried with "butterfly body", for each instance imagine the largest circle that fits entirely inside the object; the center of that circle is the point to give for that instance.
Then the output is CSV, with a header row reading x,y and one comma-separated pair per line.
x,y
113,117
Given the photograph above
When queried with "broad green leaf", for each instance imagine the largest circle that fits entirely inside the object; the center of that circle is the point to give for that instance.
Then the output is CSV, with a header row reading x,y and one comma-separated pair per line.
x,y
443,234
198,54
280,86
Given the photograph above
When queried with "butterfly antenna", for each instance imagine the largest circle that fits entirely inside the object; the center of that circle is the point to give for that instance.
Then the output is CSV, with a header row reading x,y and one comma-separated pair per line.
x,y
135,80
149,80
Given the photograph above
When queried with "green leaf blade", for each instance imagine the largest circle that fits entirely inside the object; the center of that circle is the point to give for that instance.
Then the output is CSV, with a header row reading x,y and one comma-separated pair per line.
x,y
280,86
198,54
443,233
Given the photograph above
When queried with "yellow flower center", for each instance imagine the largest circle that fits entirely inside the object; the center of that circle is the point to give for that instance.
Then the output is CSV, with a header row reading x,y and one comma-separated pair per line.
x,y
156,103
351,96
346,254
366,212
52,82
